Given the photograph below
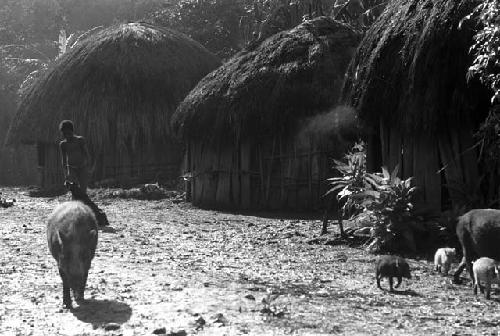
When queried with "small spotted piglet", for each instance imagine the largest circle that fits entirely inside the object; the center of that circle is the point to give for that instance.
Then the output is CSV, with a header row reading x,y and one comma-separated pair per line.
x,y
485,272
389,266
443,258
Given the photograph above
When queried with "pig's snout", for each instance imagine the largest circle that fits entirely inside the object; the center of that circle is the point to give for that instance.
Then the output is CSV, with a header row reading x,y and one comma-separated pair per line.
x,y
79,295
77,285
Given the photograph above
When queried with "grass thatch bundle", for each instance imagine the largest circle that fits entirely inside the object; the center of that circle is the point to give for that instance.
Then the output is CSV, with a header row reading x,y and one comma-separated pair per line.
x,y
119,85
411,67
266,88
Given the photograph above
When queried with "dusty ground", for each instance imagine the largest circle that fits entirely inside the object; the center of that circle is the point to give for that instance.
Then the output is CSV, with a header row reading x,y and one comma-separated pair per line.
x,y
171,266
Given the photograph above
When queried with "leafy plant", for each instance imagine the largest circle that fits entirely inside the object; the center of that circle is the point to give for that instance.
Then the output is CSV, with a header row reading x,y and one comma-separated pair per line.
x,y
353,182
390,205
382,201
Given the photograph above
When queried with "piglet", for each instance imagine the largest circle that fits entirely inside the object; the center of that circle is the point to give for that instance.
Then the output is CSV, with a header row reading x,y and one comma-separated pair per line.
x,y
485,272
443,259
390,266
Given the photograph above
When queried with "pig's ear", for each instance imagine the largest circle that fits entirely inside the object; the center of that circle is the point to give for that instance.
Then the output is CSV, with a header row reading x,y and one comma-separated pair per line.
x,y
60,239
60,243
93,234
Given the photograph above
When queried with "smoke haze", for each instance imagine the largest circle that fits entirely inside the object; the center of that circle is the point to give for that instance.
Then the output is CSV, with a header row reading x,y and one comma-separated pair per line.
x,y
340,124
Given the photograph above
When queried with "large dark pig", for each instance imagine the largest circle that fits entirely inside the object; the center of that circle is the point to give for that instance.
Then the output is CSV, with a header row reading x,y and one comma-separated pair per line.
x,y
479,234
72,238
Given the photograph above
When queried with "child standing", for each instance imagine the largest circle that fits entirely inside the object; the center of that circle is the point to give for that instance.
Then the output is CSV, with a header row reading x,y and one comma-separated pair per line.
x,y
75,155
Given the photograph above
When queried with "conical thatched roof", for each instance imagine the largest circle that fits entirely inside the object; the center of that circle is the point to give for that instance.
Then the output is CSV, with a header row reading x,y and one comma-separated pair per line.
x,y
120,86
410,68
268,87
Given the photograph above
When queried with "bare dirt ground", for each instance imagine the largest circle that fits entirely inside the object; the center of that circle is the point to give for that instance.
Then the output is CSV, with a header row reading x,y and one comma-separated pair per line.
x,y
174,269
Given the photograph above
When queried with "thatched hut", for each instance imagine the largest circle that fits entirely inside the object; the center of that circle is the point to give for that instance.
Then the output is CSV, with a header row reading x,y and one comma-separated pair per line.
x,y
243,123
408,84
120,86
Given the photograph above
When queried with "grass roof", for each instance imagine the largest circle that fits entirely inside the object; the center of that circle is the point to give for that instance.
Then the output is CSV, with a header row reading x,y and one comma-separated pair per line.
x,y
120,86
411,66
270,86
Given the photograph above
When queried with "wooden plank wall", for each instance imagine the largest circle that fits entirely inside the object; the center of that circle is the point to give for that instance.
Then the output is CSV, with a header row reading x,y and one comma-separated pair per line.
x,y
51,171
245,172
143,166
426,167
416,155
460,163
280,175
148,164
217,176
263,176
18,165
427,156
223,192
298,177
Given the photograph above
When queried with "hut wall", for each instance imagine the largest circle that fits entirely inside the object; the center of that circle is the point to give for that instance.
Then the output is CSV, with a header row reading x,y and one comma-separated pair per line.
x,y
49,165
144,165
223,192
140,165
217,176
273,175
18,165
435,160
459,160
296,176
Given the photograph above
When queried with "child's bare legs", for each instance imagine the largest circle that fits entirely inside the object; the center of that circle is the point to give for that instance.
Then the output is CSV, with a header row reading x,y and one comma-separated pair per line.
x,y
79,175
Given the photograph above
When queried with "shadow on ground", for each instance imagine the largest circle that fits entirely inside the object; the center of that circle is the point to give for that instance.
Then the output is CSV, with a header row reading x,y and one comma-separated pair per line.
x,y
270,214
107,229
99,312
407,292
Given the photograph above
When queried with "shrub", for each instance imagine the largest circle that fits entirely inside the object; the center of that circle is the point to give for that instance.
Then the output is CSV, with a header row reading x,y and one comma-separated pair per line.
x,y
382,201
389,205
352,182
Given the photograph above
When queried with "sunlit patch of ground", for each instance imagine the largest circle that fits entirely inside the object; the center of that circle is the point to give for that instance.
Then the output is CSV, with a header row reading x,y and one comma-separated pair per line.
x,y
166,267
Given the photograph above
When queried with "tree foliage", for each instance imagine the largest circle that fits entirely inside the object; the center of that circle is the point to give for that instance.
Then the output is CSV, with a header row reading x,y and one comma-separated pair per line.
x,y
486,66
226,26
358,13
213,23
486,47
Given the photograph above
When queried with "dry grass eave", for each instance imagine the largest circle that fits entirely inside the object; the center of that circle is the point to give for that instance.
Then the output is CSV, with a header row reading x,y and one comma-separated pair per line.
x,y
411,67
120,86
267,87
